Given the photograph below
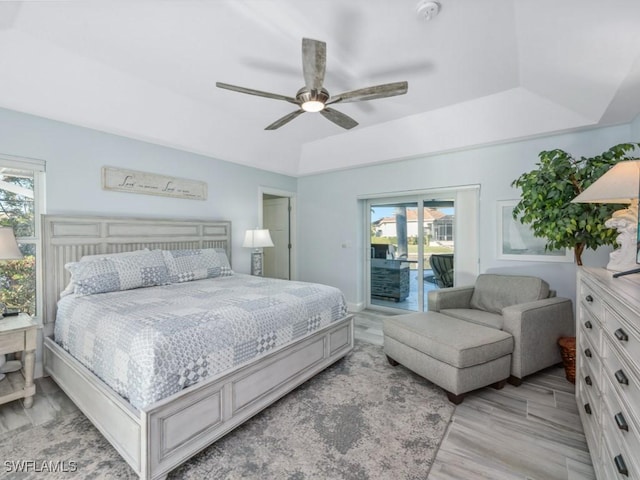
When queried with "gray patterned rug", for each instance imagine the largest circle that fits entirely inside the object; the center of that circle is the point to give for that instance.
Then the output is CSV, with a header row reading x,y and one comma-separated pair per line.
x,y
359,419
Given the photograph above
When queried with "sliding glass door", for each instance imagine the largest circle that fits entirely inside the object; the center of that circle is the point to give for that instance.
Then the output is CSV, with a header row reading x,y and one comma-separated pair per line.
x,y
411,246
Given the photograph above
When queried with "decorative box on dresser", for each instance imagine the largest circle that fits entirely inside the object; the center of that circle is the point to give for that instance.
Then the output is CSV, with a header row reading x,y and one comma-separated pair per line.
x,y
608,370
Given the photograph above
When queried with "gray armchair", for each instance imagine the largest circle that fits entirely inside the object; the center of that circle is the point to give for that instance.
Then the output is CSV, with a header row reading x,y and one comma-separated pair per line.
x,y
522,306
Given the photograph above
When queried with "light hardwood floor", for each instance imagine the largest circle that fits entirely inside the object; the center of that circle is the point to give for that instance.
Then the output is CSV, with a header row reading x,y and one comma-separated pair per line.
x,y
531,432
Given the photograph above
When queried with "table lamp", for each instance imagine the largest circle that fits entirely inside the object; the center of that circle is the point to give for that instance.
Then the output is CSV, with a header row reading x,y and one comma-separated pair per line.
x,y
257,239
621,184
8,251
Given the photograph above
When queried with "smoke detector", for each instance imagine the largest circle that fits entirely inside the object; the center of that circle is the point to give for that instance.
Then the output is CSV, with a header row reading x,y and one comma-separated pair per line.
x,y
427,10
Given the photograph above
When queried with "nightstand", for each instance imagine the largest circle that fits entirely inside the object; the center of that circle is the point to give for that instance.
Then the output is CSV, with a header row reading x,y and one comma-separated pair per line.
x,y
18,335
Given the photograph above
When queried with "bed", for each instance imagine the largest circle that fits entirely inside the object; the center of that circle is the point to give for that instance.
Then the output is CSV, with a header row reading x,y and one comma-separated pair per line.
x,y
155,432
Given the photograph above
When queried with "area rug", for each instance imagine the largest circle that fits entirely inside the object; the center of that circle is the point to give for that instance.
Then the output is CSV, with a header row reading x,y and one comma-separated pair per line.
x,y
359,419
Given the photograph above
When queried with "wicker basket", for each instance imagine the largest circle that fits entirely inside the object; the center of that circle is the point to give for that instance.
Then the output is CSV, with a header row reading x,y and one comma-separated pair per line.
x,y
568,352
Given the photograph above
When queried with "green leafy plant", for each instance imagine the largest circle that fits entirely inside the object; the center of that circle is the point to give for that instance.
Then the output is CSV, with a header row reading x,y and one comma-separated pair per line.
x,y
18,284
545,201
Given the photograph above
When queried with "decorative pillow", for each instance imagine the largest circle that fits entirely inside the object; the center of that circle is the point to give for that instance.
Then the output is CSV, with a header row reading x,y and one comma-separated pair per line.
x,y
188,265
69,289
120,272
225,266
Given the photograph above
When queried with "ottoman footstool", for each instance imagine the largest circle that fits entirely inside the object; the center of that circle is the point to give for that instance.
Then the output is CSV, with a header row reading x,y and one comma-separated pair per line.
x,y
456,355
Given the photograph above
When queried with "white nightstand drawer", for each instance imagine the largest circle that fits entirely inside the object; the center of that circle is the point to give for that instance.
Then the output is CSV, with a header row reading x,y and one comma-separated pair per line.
x,y
12,342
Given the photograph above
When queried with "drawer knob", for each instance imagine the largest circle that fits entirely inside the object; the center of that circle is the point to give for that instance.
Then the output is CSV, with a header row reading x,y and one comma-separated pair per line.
x,y
620,465
589,298
588,324
587,352
621,421
587,380
621,378
587,408
621,335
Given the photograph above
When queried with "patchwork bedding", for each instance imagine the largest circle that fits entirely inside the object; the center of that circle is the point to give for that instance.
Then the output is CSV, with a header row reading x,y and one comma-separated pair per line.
x,y
149,343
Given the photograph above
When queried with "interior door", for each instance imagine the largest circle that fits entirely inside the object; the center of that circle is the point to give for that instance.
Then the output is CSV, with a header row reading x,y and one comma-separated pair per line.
x,y
276,218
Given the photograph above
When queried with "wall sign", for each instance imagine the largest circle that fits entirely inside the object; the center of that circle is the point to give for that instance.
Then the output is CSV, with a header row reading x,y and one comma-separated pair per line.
x,y
146,183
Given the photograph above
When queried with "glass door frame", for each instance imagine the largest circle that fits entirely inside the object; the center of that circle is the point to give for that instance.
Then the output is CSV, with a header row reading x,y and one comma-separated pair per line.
x,y
419,199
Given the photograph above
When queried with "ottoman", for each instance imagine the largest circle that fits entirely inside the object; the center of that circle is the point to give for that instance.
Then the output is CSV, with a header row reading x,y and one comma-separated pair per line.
x,y
456,355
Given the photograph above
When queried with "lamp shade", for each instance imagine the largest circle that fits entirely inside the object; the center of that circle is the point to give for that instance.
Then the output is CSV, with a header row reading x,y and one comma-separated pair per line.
x,y
8,246
619,185
258,238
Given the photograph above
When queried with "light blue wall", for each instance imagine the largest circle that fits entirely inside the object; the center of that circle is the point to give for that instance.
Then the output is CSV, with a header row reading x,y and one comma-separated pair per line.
x,y
331,218
75,156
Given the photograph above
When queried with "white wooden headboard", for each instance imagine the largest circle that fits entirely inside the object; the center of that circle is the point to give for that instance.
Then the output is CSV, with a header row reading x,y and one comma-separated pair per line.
x,y
67,238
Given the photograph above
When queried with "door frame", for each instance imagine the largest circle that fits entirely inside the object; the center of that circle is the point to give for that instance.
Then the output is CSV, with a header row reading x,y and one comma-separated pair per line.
x,y
262,191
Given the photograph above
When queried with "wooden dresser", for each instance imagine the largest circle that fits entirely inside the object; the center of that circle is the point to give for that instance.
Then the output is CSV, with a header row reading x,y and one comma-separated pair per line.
x,y
608,370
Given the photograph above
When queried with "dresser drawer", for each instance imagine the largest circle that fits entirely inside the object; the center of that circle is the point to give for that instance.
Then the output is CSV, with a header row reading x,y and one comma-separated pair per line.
x,y
589,358
589,379
590,300
12,342
589,406
621,375
621,334
613,460
620,422
590,327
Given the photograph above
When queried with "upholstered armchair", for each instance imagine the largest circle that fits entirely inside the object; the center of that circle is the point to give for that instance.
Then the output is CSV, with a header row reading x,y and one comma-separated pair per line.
x,y
522,306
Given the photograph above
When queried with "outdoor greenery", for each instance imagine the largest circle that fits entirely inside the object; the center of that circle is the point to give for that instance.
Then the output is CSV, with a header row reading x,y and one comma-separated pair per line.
x,y
18,277
545,202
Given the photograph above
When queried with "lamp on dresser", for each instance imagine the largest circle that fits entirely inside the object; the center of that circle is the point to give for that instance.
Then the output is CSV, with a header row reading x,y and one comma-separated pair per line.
x,y
257,239
621,184
8,251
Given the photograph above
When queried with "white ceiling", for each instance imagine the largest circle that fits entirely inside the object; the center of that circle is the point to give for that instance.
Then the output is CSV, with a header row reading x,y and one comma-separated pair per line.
x,y
481,72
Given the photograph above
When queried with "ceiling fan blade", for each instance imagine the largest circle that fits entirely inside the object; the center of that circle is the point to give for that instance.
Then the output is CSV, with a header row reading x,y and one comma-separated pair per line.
x,y
258,93
339,118
371,93
314,62
286,119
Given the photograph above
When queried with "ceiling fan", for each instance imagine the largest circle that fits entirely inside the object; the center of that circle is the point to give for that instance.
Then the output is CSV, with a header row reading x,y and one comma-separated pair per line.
x,y
313,97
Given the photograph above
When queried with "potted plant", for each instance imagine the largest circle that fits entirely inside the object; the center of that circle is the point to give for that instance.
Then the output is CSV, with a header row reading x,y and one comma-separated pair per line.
x,y
545,201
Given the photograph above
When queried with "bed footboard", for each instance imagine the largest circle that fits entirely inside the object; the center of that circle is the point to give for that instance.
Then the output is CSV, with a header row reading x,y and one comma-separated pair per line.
x,y
157,439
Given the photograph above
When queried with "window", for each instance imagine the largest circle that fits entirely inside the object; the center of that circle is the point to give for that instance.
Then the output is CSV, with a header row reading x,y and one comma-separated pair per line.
x,y
21,201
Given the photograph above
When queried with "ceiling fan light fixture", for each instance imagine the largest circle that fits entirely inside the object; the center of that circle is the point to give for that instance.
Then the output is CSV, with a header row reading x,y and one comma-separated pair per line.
x,y
312,106
312,100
